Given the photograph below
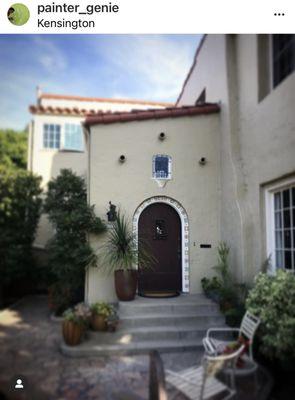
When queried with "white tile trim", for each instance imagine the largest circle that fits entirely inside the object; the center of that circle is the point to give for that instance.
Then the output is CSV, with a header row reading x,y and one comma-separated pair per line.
x,y
184,232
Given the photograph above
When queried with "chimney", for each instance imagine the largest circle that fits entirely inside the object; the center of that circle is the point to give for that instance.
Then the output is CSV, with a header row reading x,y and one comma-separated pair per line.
x,y
39,94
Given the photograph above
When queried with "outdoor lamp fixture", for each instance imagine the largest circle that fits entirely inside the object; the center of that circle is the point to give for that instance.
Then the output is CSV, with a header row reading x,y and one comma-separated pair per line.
x,y
203,161
122,158
162,136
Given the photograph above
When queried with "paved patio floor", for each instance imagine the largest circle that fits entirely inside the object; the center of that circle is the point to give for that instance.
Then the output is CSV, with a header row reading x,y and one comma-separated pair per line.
x,y
29,348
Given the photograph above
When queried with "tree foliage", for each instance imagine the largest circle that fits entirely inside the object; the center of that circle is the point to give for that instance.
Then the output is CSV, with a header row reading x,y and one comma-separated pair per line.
x,y
20,207
72,218
13,149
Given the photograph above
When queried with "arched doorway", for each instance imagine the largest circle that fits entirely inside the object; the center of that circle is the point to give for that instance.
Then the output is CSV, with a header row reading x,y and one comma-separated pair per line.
x,y
159,227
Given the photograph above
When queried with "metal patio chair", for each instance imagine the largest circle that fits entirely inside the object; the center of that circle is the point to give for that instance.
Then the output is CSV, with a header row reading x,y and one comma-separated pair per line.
x,y
215,345
199,383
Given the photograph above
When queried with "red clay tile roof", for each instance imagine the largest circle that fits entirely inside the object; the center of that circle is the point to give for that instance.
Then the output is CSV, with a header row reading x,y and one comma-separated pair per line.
x,y
103,100
72,111
141,115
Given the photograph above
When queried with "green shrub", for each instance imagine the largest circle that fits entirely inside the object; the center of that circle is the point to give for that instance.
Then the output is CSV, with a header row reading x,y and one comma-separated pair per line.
x,y
20,207
273,300
73,219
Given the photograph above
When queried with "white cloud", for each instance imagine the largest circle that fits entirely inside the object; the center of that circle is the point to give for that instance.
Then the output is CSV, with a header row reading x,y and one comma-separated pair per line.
x,y
51,58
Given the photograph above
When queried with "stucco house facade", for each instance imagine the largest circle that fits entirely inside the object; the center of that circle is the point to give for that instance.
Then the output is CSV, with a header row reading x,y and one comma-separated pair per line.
x,y
56,138
226,157
217,166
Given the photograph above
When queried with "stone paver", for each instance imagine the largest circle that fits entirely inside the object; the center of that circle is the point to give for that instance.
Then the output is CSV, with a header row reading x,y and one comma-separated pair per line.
x,y
29,346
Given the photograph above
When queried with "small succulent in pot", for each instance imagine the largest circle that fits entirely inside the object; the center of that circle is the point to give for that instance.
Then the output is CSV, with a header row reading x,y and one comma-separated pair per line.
x,y
101,311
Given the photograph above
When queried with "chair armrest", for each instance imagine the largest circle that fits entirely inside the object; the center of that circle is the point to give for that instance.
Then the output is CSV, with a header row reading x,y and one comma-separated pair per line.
x,y
211,331
226,357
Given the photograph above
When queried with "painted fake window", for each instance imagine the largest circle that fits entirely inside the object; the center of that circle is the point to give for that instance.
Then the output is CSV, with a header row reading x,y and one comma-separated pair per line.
x,y
51,136
284,224
73,137
162,166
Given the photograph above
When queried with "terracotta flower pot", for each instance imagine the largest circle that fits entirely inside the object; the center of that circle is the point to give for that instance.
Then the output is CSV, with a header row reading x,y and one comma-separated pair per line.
x,y
126,284
98,323
72,333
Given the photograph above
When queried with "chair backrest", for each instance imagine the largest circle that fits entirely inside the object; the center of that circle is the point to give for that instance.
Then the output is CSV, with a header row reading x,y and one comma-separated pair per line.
x,y
249,325
157,388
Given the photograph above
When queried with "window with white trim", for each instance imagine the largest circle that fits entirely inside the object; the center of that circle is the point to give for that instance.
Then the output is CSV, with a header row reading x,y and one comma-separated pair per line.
x,y
73,139
51,136
162,166
284,228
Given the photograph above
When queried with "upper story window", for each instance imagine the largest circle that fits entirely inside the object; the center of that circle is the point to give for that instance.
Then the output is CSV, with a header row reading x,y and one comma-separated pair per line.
x,y
276,60
65,137
73,137
162,167
51,136
283,57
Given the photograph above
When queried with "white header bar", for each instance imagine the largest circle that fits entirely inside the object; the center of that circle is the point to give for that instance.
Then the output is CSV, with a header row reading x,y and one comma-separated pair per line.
x,y
152,16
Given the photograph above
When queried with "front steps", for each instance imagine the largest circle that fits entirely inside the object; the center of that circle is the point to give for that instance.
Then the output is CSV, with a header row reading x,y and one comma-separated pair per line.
x,y
167,325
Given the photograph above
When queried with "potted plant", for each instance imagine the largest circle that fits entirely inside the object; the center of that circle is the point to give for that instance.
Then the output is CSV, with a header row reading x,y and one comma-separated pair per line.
x,y
73,326
100,313
212,288
112,322
121,254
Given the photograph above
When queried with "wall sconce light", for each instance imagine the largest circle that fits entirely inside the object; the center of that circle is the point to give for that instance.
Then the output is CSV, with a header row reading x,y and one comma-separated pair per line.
x,y
162,136
122,158
203,161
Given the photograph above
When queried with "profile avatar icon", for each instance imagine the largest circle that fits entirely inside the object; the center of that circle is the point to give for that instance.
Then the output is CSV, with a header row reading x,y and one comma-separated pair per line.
x,y
19,384
18,14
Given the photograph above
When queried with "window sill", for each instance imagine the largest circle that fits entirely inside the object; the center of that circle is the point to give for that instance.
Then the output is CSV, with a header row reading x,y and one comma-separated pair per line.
x,y
71,151
161,181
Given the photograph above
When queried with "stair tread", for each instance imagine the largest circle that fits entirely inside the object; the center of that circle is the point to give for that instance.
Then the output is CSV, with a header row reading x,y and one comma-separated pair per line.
x,y
172,315
91,344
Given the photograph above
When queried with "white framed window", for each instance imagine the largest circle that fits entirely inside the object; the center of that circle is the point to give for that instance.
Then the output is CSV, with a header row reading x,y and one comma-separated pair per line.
x,y
162,167
73,137
68,136
280,223
51,136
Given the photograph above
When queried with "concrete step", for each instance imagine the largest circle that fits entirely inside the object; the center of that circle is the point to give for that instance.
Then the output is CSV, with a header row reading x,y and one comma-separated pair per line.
x,y
185,319
166,309
167,325
156,334
93,347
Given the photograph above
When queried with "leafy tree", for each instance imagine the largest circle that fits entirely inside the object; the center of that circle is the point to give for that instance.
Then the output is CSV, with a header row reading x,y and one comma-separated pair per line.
x,y
13,149
72,218
20,207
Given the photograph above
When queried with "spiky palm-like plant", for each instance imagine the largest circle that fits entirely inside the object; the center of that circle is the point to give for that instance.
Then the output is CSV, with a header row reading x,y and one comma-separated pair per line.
x,y
122,249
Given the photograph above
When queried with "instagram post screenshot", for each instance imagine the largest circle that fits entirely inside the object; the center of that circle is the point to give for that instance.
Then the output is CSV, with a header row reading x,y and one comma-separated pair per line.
x,y
147,200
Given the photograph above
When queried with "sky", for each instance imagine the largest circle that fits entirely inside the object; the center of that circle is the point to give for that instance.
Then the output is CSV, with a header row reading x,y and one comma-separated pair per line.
x,y
147,67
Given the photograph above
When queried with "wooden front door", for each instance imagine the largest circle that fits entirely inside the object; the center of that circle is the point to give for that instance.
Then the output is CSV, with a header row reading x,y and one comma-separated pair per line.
x,y
159,228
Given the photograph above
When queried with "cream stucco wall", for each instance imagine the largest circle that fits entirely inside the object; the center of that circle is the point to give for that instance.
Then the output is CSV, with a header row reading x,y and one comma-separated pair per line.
x,y
127,185
48,162
257,139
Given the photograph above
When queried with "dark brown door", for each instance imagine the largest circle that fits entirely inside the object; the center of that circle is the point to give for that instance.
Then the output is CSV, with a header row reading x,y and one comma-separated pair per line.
x,y
159,227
